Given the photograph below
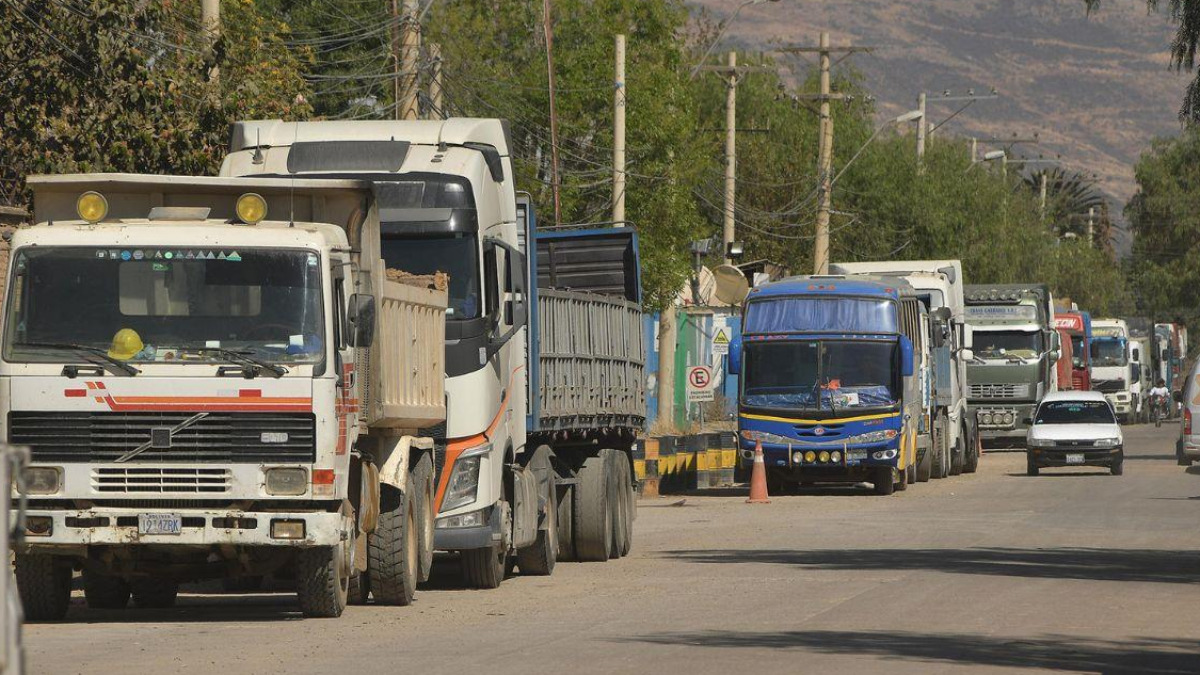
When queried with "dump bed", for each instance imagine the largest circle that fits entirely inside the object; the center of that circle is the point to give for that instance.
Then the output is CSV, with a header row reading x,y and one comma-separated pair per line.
x,y
587,356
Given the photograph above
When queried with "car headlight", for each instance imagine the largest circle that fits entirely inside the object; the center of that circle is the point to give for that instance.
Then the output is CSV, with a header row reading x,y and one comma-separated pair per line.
x,y
1107,442
288,481
1041,443
764,437
463,485
42,480
873,436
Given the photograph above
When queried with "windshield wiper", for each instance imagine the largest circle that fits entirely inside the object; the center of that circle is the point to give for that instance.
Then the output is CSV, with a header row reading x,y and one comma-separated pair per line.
x,y
100,356
251,367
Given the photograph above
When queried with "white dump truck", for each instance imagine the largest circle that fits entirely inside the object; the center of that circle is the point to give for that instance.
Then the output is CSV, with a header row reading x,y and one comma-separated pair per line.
x,y
217,378
544,354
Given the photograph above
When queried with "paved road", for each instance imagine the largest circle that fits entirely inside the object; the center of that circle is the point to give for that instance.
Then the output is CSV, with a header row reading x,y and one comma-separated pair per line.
x,y
1073,571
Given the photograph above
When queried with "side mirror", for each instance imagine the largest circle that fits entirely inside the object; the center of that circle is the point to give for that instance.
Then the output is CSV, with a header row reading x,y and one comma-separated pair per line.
x,y
943,314
1137,354
906,356
968,336
361,320
735,355
967,355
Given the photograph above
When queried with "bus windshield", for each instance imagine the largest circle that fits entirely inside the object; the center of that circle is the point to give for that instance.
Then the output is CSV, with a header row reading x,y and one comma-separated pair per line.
x,y
821,374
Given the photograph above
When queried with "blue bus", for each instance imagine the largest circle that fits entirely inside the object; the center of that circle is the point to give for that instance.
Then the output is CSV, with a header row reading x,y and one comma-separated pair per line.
x,y
828,383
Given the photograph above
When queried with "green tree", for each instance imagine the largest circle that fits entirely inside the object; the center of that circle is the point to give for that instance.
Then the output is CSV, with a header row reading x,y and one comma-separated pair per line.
x,y
123,85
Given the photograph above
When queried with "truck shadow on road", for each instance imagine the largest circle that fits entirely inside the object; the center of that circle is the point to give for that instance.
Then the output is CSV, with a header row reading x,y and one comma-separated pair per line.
x,y
196,608
1157,566
1051,652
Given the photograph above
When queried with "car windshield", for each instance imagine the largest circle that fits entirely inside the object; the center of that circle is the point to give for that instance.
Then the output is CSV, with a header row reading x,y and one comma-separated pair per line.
x,y
1074,412
454,255
165,304
1005,343
1109,352
843,373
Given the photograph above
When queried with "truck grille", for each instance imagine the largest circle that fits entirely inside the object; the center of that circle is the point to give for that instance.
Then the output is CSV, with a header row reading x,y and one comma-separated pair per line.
x,y
156,480
1108,386
978,391
219,438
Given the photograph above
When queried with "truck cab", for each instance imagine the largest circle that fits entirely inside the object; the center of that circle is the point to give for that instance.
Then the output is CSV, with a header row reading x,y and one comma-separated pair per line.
x,y
1112,374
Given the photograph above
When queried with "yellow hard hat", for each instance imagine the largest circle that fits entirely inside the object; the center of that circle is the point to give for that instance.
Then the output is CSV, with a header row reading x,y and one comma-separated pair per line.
x,y
125,344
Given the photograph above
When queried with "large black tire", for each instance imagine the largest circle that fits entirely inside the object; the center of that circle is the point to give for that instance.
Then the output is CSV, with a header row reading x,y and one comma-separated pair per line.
x,y
322,581
44,583
958,456
423,479
972,453
484,568
1118,465
393,550
884,481
626,501
1031,467
592,512
539,558
359,590
105,591
924,468
150,593
941,463
565,519
615,504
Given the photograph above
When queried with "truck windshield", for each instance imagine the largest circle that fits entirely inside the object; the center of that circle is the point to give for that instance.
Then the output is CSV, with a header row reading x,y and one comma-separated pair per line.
x,y
454,255
1002,343
166,304
1074,412
820,375
1109,352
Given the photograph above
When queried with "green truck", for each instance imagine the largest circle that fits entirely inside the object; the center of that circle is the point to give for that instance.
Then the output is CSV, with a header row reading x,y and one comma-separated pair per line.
x,y
1012,367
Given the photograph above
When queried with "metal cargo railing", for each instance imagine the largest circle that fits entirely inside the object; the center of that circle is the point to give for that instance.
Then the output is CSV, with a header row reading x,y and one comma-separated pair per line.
x,y
592,361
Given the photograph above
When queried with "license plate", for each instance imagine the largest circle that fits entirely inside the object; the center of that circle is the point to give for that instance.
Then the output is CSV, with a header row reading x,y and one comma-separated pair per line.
x,y
856,454
160,523
1075,459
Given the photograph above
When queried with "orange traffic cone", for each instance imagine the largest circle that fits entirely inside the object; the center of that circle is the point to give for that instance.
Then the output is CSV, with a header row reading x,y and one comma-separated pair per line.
x,y
758,478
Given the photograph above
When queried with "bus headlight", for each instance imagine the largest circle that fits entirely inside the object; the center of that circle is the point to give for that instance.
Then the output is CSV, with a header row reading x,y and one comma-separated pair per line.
x,y
286,481
42,480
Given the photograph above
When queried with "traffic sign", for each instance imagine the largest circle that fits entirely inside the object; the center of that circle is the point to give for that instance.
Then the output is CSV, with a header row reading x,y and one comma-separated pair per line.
x,y
720,343
700,384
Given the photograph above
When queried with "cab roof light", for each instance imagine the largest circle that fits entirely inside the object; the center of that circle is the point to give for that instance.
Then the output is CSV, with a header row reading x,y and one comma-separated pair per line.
x,y
92,207
251,208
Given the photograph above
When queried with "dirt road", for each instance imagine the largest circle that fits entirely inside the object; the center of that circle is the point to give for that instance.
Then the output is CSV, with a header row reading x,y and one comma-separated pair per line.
x,y
1072,571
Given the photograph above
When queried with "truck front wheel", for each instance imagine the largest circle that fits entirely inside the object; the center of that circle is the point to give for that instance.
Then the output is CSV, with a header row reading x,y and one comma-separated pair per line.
x,y
393,550
925,465
971,465
485,568
44,583
105,591
884,481
322,581
423,497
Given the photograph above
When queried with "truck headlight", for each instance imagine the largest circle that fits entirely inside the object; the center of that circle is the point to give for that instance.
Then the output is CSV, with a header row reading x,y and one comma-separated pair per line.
x,y
287,481
1107,442
42,480
473,519
764,437
873,437
463,485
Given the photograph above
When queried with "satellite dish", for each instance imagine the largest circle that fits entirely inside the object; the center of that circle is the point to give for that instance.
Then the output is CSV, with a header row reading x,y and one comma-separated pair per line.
x,y
731,285
707,289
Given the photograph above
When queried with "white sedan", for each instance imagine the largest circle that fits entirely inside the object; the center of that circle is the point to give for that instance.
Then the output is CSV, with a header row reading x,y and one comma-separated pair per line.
x,y
1074,428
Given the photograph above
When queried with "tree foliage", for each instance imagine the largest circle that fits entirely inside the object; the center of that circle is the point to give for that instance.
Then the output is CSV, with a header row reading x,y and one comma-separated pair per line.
x,y
123,85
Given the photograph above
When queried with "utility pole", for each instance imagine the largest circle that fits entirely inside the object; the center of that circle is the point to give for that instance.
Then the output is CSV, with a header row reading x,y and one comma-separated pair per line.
x,y
618,210
408,107
437,99
921,127
1042,192
825,145
210,21
394,43
667,336
974,149
734,73
1091,226
548,29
